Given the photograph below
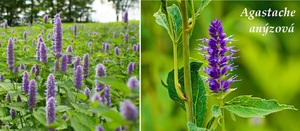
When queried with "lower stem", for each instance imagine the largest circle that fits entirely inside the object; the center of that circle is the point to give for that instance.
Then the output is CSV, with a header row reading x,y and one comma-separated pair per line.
x,y
21,120
223,113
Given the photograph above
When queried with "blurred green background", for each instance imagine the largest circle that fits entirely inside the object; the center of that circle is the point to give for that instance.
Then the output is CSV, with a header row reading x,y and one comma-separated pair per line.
x,y
268,65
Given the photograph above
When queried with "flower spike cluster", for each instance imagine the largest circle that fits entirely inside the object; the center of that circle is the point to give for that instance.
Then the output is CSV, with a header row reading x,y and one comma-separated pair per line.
x,y
218,55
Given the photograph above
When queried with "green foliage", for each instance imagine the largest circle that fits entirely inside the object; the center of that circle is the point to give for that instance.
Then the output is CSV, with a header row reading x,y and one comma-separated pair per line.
x,y
193,127
82,113
199,97
247,106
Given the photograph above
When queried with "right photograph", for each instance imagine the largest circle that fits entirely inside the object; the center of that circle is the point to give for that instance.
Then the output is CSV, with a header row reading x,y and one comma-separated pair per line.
x,y
220,65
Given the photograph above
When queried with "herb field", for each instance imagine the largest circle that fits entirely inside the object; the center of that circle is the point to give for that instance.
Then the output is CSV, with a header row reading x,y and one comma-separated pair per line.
x,y
73,76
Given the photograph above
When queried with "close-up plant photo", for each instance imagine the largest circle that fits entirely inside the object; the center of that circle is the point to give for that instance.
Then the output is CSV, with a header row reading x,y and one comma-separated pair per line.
x,y
220,65
66,66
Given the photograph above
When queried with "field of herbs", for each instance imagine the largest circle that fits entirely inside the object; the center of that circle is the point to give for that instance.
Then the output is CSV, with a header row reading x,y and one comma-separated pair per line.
x,y
73,76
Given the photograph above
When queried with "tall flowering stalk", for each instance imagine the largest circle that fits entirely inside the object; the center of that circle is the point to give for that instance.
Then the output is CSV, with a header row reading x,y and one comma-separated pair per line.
x,y
64,64
10,55
50,111
133,83
100,72
86,64
25,81
50,92
57,34
43,53
32,95
78,77
128,110
46,19
70,57
77,62
75,30
218,59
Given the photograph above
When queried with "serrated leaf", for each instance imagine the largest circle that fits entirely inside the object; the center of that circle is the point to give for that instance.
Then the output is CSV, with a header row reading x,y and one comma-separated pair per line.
x,y
81,96
198,92
40,116
115,116
18,106
62,108
247,106
193,127
77,126
204,3
161,19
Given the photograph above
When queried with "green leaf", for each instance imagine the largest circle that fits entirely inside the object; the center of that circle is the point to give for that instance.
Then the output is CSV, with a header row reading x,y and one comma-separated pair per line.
x,y
161,19
247,106
62,108
77,126
216,111
40,116
193,127
115,83
198,92
204,3
115,116
81,96
18,106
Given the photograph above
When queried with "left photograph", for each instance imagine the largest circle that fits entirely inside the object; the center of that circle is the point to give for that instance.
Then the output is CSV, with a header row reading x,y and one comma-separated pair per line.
x,y
70,65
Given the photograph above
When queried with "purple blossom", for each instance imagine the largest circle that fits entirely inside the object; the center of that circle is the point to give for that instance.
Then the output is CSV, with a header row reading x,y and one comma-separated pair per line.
x,y
64,117
38,53
96,97
25,35
13,113
99,128
218,58
10,55
86,64
77,62
130,67
25,81
133,82
46,19
64,64
125,17
33,69
115,35
1,78
117,51
56,66
25,48
8,98
106,96
16,69
43,53
50,110
78,77
22,66
75,30
70,57
50,92
32,94
57,34
19,99
87,92
38,70
128,110
100,72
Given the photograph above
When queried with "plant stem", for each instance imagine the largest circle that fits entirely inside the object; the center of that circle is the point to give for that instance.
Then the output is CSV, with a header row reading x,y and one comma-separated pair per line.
x,y
223,112
186,54
21,120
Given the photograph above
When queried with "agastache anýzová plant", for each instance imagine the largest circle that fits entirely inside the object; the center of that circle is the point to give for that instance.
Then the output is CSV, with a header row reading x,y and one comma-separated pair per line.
x,y
190,93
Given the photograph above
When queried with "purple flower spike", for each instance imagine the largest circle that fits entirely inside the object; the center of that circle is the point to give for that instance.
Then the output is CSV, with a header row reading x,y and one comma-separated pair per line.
x,y
57,34
16,70
64,117
86,64
115,35
96,97
75,29
126,38
10,55
1,78
125,17
133,82
106,96
77,62
99,128
130,68
25,82
13,113
38,53
5,25
218,58
38,70
32,94
50,110
50,92
43,53
56,66
128,110
64,64
117,51
25,35
22,66
87,92
70,57
25,48
8,98
33,69
46,19
78,77
100,70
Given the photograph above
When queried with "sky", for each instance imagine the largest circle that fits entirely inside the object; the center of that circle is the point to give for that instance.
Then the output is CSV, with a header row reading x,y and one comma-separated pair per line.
x,y
104,12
